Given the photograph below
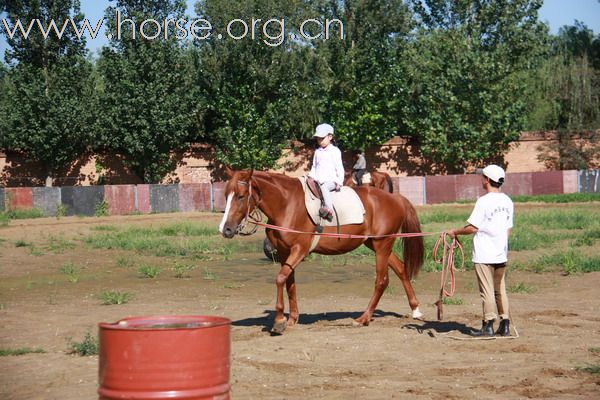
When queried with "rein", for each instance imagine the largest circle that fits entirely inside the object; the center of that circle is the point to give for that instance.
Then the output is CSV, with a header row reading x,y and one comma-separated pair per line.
x,y
448,268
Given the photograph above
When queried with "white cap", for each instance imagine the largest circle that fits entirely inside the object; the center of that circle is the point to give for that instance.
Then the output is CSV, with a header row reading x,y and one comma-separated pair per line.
x,y
323,130
494,172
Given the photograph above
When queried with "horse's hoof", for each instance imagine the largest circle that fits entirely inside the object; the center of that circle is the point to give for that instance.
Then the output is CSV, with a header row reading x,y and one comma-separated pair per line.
x,y
358,323
279,327
417,314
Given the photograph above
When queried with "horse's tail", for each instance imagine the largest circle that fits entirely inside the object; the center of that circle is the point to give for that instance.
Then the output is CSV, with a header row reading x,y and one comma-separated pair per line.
x,y
389,182
414,248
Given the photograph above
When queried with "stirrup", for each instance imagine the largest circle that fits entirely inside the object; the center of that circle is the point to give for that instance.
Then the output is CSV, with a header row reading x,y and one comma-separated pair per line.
x,y
326,213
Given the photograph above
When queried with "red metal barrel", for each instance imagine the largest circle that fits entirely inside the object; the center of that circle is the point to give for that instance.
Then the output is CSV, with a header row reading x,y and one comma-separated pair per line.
x,y
165,357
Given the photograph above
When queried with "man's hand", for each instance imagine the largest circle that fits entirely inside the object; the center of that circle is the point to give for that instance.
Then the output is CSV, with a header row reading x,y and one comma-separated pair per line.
x,y
451,233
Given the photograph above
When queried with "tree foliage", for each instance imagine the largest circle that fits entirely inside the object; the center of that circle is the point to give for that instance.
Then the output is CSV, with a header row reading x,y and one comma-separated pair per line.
x,y
147,98
259,95
47,113
466,95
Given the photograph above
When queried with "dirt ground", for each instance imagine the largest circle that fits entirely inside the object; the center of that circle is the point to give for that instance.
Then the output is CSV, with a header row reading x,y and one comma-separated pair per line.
x,y
324,356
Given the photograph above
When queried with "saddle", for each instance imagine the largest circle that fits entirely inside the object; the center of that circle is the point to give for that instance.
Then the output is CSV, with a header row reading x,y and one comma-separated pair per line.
x,y
347,205
366,178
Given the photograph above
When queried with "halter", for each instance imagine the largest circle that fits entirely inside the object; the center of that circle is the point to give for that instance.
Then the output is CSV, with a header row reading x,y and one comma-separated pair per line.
x,y
253,216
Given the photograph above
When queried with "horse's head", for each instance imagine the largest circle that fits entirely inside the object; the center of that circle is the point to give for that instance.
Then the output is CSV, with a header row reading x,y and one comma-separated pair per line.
x,y
242,198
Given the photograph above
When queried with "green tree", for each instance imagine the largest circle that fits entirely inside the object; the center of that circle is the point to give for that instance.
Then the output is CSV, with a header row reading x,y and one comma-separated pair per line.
x,y
147,98
466,64
260,91
568,99
47,108
364,81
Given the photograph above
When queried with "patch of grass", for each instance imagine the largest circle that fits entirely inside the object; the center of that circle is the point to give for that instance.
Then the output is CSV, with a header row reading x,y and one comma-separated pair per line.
x,y
115,297
570,262
391,290
22,243
558,198
182,239
105,228
61,211
102,209
521,287
182,270
58,244
593,369
232,286
87,347
22,214
444,215
149,271
452,301
594,350
209,275
71,270
34,251
20,351
125,262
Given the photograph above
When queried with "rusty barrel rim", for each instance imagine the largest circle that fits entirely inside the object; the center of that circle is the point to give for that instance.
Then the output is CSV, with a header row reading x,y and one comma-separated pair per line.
x,y
166,322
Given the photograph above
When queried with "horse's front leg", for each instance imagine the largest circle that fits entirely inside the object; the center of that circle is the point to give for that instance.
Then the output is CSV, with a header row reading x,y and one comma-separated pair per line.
x,y
290,285
287,273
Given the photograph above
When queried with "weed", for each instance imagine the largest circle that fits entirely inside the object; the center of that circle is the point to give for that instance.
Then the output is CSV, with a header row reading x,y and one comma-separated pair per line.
x,y
34,251
71,271
58,244
102,209
149,271
125,262
87,347
182,270
22,243
521,288
232,286
20,351
61,211
592,369
209,275
391,290
452,301
594,350
113,297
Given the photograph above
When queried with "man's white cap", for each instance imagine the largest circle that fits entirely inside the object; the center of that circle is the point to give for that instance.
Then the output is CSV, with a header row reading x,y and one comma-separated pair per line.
x,y
494,172
323,130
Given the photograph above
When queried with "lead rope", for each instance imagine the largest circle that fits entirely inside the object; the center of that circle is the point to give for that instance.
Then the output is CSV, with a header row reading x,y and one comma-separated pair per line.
x,y
448,268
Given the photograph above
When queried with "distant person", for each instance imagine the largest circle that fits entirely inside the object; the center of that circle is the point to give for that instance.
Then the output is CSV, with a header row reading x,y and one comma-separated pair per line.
x,y
359,168
491,222
327,168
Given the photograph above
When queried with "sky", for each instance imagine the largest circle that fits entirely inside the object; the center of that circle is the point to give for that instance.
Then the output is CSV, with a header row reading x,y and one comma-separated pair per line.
x,y
556,13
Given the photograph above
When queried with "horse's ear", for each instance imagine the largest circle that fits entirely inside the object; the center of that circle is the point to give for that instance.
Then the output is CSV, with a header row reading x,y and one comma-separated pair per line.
x,y
229,171
247,174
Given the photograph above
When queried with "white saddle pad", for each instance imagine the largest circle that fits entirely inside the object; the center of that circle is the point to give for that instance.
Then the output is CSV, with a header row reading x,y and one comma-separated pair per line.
x,y
348,206
366,178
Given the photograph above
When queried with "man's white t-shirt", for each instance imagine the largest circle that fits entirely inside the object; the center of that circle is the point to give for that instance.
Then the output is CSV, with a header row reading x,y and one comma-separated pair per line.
x,y
327,165
493,217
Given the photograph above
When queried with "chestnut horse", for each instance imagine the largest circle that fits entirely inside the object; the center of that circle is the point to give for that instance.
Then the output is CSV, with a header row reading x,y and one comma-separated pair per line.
x,y
381,180
281,199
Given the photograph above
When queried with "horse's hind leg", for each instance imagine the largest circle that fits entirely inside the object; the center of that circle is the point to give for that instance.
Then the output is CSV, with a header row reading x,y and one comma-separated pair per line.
x,y
382,252
398,266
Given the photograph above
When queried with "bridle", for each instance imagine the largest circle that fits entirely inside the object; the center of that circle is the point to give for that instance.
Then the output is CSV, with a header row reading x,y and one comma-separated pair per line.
x,y
255,215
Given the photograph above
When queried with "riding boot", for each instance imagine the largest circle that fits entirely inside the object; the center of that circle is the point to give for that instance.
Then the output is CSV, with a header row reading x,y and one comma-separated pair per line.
x,y
503,328
487,329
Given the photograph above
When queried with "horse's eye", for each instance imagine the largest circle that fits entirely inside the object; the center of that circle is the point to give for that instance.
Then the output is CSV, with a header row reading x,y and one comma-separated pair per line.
x,y
240,197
